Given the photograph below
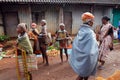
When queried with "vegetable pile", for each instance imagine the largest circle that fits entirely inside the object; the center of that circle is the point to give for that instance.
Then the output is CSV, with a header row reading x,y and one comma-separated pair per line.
x,y
52,51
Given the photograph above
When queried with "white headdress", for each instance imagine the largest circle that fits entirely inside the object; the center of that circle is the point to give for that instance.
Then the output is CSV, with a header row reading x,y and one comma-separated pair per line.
x,y
62,24
44,21
23,26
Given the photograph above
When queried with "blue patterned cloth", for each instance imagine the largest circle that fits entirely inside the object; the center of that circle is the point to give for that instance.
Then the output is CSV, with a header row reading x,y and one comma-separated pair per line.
x,y
119,34
84,54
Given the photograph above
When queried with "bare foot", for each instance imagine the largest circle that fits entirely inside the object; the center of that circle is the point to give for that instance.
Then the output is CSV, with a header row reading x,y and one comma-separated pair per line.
x,y
61,62
100,67
40,63
46,64
66,60
43,62
78,78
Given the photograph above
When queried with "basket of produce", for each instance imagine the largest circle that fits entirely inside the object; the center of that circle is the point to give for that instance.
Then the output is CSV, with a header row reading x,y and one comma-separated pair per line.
x,y
52,51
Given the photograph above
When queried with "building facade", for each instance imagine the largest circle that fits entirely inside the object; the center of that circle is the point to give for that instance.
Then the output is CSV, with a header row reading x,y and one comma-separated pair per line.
x,y
69,12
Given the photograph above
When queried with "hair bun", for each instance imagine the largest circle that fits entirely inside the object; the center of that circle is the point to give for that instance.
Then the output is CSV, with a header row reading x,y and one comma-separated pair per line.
x,y
106,18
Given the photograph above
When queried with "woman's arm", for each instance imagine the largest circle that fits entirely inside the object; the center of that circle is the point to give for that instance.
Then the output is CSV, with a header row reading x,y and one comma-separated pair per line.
x,y
35,33
110,27
67,34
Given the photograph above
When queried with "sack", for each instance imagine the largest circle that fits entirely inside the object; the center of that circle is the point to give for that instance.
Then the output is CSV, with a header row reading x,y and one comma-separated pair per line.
x,y
115,34
31,62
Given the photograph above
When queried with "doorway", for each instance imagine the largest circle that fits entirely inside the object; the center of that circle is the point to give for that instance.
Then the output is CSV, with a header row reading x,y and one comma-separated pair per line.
x,y
37,17
11,21
68,21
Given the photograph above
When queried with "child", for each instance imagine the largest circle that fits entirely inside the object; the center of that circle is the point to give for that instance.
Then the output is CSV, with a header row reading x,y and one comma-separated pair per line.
x,y
62,37
33,34
23,39
43,41
106,46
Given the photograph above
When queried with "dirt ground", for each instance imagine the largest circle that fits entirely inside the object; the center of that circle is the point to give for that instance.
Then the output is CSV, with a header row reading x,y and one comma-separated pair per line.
x,y
57,71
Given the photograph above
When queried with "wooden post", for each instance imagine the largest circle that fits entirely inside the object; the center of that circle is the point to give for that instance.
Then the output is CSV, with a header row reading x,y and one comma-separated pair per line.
x,y
92,8
24,13
3,20
61,15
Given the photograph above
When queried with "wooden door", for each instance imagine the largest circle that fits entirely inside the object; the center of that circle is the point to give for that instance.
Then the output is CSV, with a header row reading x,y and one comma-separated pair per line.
x,y
68,21
116,17
11,22
37,17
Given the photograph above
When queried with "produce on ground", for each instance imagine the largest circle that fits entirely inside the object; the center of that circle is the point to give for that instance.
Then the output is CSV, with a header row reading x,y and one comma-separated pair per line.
x,y
115,76
8,49
52,51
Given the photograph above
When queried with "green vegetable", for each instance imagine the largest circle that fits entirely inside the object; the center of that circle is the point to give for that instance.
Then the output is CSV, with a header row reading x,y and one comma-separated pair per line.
x,y
4,37
52,47
2,54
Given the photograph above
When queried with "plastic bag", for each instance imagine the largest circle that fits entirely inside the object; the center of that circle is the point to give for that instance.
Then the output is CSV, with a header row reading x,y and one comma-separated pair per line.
x,y
115,33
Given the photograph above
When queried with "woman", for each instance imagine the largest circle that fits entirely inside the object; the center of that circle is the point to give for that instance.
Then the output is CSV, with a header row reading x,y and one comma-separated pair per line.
x,y
105,27
43,41
103,37
84,56
23,41
62,37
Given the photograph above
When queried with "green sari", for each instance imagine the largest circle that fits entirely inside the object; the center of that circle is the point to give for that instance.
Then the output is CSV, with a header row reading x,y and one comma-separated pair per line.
x,y
24,43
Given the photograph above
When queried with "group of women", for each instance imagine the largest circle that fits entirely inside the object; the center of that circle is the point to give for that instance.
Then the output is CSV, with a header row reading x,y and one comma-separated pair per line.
x,y
87,51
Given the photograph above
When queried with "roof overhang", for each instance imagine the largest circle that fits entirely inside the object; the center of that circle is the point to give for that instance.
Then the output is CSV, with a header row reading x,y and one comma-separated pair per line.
x,y
63,1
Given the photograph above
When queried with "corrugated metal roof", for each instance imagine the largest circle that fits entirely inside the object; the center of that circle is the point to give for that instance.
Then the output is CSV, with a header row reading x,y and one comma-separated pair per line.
x,y
65,1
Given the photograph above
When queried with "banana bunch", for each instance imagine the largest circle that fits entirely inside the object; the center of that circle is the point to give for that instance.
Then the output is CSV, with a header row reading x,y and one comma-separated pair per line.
x,y
52,52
